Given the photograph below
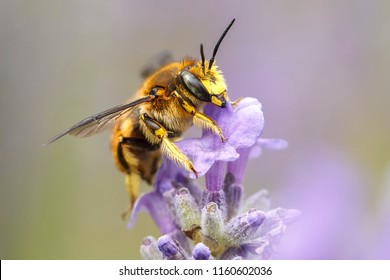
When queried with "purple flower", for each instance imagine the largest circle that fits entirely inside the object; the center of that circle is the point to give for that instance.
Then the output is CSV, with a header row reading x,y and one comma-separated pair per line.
x,y
154,203
332,198
201,252
241,123
214,222
170,249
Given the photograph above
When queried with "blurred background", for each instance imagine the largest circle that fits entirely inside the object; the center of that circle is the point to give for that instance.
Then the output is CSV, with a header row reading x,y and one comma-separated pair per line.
x,y
320,69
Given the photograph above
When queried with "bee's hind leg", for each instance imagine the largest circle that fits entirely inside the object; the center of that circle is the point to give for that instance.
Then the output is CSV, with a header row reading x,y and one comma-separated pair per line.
x,y
130,153
132,187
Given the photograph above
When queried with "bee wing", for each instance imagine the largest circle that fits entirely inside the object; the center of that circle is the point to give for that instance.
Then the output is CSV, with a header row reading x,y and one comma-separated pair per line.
x,y
96,123
156,62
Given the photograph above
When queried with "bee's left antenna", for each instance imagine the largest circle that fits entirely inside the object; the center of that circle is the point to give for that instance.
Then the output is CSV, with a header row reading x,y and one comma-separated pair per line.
x,y
202,56
219,42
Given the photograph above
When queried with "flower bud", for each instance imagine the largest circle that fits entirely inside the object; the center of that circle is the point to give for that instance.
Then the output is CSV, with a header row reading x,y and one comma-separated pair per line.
x,y
149,249
241,228
201,252
217,197
169,248
212,222
187,210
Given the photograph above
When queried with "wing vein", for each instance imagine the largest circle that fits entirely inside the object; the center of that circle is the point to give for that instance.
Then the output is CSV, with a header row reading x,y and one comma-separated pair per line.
x,y
96,123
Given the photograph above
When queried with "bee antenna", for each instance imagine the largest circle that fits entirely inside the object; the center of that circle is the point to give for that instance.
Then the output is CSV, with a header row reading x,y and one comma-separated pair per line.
x,y
202,55
219,42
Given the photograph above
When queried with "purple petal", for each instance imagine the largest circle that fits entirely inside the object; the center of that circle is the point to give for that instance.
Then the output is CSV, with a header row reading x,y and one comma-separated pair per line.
x,y
153,203
237,167
215,176
167,173
267,143
204,152
272,229
246,124
241,124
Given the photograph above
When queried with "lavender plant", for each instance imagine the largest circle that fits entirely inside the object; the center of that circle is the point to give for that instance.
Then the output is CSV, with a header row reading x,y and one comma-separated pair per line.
x,y
215,222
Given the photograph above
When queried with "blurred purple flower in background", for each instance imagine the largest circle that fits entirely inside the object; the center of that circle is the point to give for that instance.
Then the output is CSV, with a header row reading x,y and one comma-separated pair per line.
x,y
334,223
216,219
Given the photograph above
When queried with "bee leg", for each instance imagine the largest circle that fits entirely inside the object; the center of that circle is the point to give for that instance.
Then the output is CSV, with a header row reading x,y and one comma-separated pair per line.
x,y
204,121
127,148
157,134
132,188
131,178
199,118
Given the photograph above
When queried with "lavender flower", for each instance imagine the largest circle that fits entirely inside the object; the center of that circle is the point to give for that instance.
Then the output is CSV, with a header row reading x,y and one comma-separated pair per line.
x,y
215,222
201,252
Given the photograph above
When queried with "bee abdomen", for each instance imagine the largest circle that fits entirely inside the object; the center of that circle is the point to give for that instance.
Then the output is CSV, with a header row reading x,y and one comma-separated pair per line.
x,y
138,155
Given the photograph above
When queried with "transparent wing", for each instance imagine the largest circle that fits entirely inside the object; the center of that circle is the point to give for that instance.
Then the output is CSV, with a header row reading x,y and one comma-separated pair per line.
x,y
96,123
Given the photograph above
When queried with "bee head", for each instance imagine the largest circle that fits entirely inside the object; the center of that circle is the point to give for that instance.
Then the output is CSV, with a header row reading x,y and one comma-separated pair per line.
x,y
206,83
204,90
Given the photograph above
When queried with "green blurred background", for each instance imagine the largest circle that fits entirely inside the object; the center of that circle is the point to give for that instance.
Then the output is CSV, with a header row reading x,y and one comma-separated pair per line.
x,y
320,69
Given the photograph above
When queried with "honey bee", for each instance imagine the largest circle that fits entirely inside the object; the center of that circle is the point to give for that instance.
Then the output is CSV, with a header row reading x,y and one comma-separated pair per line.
x,y
170,100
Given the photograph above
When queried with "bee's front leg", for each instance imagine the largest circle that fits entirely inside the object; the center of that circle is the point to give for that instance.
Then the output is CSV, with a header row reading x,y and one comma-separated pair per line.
x,y
199,118
155,133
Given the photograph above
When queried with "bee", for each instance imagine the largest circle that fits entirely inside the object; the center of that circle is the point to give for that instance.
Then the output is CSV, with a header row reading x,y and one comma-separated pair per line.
x,y
170,100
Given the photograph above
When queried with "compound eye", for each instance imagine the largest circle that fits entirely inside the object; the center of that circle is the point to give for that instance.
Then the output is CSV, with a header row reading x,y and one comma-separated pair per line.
x,y
194,86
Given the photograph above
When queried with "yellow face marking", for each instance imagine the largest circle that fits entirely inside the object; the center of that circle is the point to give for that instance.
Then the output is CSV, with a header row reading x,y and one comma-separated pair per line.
x,y
216,101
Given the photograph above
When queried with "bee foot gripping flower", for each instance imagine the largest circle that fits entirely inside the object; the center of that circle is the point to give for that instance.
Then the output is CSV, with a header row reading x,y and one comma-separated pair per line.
x,y
215,222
